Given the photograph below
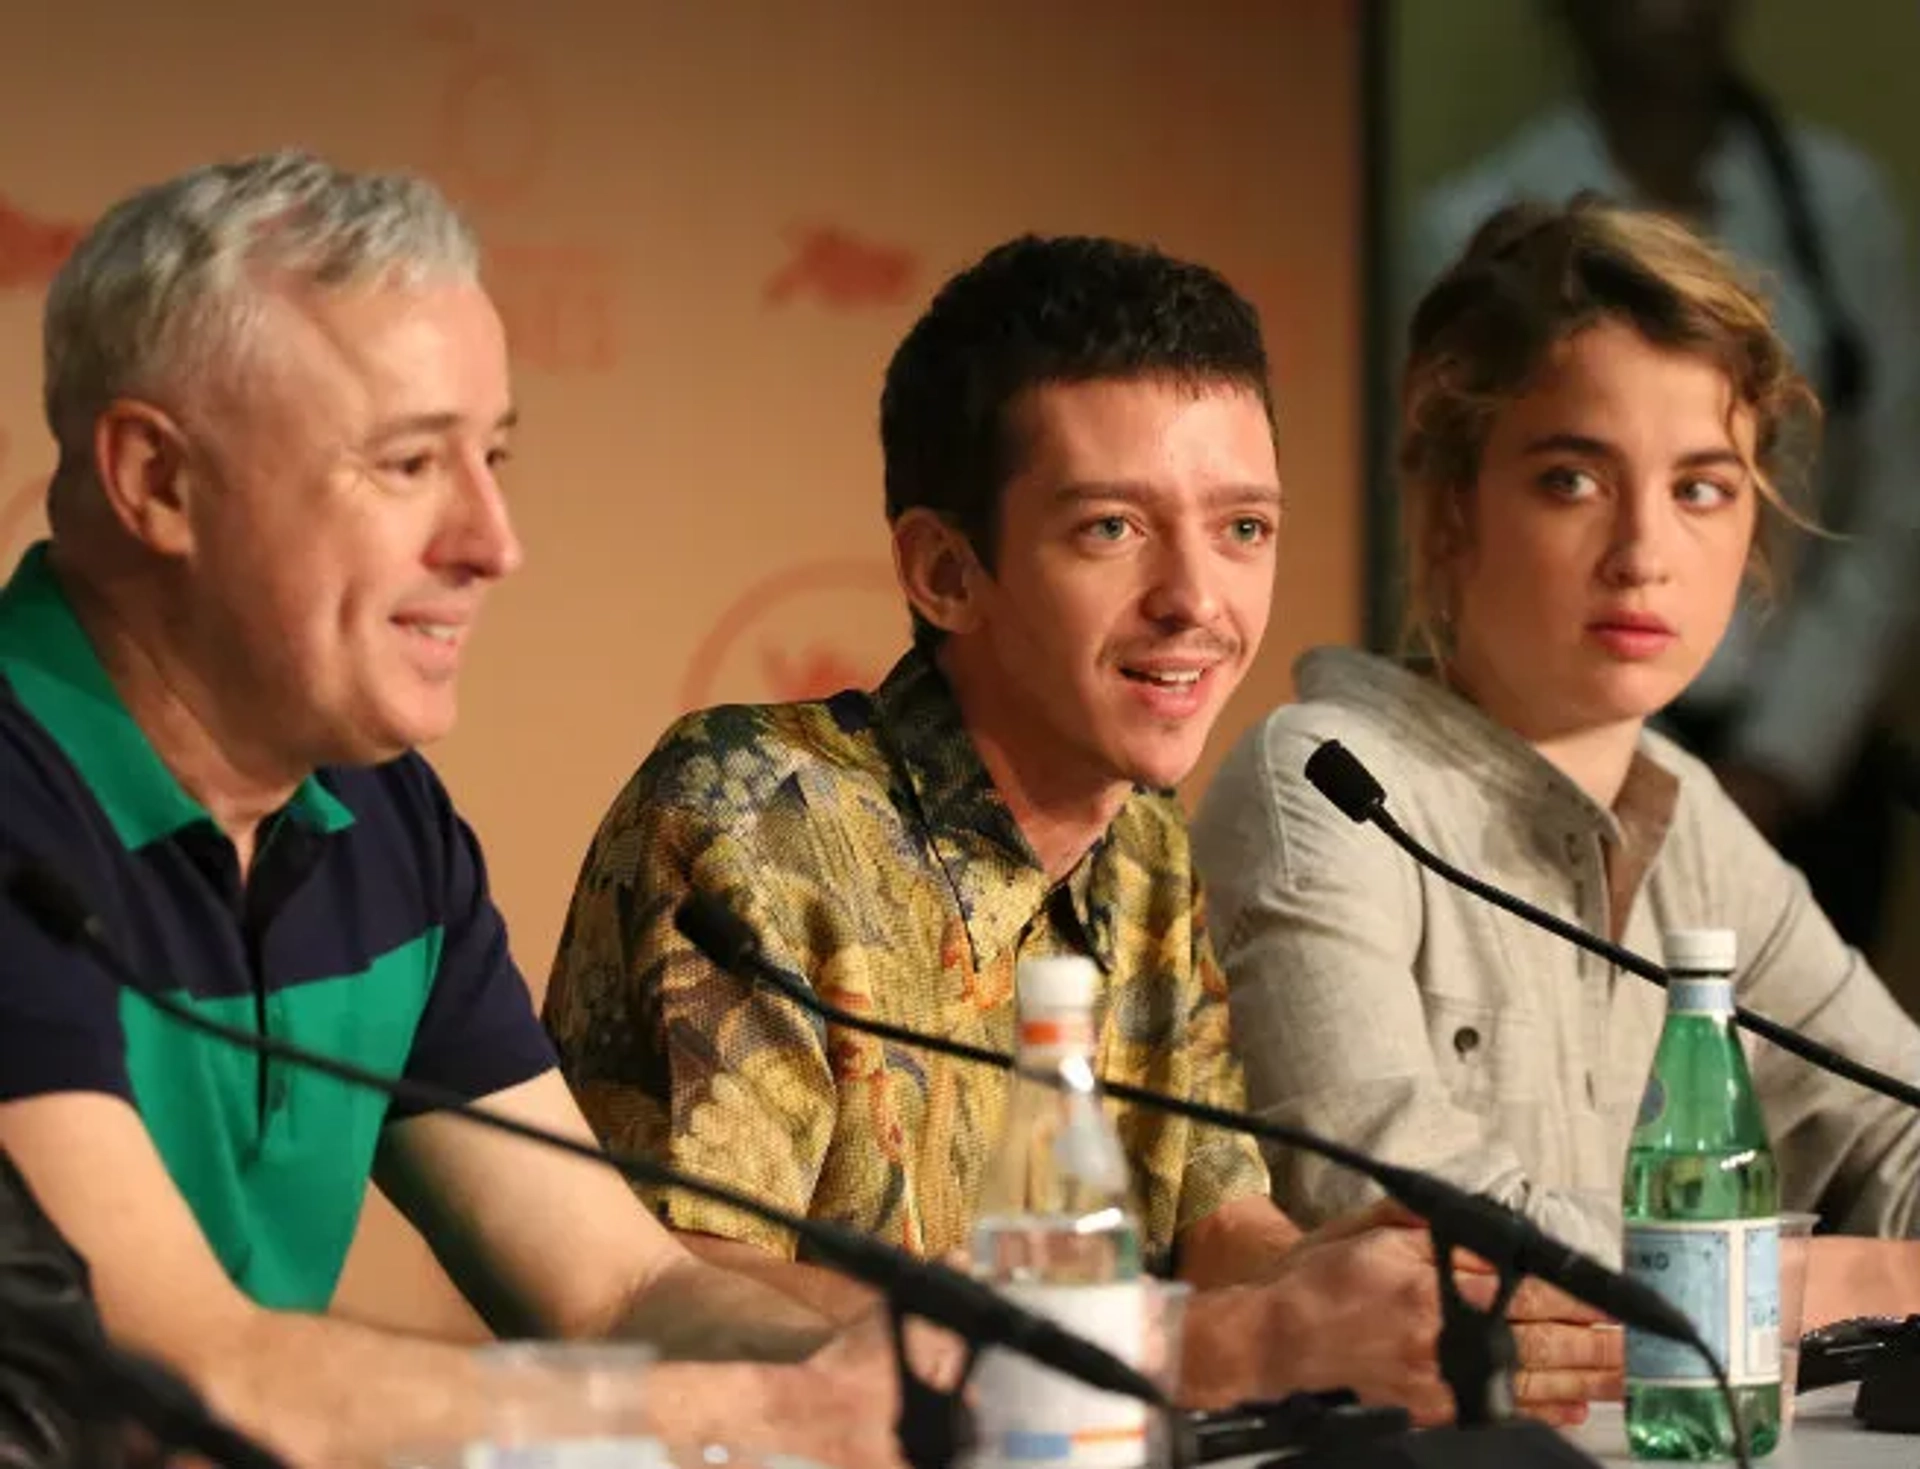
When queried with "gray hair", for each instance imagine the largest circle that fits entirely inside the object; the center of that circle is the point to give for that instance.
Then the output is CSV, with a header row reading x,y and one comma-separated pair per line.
x,y
166,281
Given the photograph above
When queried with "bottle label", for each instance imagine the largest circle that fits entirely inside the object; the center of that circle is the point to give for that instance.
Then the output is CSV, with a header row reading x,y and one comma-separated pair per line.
x,y
1698,996
1029,1415
1725,1275
1056,1033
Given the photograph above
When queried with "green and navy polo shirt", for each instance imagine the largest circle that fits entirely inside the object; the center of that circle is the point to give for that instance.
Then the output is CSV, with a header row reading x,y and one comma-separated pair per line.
x,y
365,930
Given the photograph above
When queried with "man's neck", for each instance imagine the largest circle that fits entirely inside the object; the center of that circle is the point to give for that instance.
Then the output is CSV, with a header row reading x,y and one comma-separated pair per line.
x,y
1661,143
1059,812
172,706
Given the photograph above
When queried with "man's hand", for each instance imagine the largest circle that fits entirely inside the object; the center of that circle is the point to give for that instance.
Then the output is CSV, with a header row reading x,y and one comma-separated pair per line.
x,y
852,1387
1570,1355
833,1411
1354,1305
1357,1304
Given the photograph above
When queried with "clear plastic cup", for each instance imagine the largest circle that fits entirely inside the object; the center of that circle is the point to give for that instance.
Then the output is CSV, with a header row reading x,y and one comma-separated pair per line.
x,y
1795,1231
573,1404
1161,1358
1166,1334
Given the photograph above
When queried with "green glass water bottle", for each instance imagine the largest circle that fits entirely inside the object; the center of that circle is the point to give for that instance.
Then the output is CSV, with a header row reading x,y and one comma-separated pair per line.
x,y
1702,1207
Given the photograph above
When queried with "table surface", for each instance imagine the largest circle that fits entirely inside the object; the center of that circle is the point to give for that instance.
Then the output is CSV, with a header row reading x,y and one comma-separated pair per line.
x,y
1824,1436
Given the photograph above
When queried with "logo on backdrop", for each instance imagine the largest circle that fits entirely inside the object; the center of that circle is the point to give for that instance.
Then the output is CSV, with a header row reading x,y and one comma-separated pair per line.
x,y
22,502
32,247
489,145
808,630
842,271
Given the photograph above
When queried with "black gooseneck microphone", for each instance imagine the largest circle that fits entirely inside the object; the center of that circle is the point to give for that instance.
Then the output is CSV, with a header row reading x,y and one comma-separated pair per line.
x,y
1337,773
932,1425
1476,1348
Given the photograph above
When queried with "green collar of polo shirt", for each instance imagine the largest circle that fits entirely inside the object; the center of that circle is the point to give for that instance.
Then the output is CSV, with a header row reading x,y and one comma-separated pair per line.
x,y
55,673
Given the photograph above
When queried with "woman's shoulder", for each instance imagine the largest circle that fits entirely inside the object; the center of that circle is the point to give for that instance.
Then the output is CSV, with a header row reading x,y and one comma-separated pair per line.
x,y
1380,709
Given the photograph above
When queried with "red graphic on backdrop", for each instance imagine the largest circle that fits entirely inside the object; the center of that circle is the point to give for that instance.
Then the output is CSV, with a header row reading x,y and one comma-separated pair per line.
x,y
32,249
559,304
816,671
17,510
490,147
842,271
16,514
802,632
493,127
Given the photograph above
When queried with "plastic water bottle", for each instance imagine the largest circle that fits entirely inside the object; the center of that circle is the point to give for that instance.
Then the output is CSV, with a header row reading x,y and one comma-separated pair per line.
x,y
1702,1206
1056,1231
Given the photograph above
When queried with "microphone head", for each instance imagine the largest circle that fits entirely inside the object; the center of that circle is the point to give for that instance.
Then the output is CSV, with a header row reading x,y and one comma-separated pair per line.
x,y
50,901
1336,772
713,928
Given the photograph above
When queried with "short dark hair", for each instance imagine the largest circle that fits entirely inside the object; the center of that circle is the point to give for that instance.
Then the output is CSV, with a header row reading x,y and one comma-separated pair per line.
x,y
1040,310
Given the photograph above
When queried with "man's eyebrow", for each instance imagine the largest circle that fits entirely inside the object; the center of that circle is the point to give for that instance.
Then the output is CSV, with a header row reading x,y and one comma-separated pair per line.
x,y
1131,492
433,423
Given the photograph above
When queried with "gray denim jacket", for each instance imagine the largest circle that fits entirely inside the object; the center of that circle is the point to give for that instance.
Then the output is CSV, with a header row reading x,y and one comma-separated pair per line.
x,y
1374,1003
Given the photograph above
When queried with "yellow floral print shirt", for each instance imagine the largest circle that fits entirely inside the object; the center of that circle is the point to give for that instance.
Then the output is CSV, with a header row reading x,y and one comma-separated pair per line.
x,y
864,840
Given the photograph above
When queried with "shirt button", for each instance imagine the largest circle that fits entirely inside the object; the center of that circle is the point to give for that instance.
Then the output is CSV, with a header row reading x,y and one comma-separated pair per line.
x,y
1466,1040
277,1094
1593,1091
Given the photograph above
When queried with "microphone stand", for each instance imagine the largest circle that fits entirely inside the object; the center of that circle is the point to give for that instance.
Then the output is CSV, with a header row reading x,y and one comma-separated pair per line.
x,y
933,1427
1476,1348
1339,776
1477,1353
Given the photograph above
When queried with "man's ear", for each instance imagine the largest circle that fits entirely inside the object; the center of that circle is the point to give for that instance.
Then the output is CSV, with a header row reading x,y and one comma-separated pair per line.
x,y
938,570
145,474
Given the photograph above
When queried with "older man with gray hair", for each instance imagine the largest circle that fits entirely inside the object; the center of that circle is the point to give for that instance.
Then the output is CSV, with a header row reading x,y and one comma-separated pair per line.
x,y
280,396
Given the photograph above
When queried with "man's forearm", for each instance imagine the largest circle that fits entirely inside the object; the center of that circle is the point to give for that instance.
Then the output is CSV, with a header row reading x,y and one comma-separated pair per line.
x,y
1240,1243
839,1298
693,1311
327,1392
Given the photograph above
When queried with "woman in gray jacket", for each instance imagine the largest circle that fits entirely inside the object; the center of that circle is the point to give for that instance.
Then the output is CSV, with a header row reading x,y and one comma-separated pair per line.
x,y
1598,419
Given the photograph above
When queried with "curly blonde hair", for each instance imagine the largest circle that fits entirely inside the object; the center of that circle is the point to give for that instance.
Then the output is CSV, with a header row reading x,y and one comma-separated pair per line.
x,y
1533,277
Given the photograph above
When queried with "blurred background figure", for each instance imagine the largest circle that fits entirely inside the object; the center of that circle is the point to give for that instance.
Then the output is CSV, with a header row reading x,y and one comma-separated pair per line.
x,y
1791,712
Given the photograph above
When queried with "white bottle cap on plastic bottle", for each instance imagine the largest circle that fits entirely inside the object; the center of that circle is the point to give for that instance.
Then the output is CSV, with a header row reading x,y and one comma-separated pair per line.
x,y
1705,951
1056,984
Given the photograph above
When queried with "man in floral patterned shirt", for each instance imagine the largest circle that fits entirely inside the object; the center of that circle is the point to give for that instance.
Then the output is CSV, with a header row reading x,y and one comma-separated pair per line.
x,y
1083,493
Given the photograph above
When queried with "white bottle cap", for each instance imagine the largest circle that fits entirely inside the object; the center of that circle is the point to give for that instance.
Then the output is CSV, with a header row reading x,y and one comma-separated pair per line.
x,y
1700,950
1056,984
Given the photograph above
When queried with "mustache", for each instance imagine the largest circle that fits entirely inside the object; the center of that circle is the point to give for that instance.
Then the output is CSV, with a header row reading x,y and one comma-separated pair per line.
x,y
1211,648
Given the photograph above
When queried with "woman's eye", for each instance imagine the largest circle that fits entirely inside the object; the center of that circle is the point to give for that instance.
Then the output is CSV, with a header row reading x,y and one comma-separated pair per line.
x,y
1569,483
1705,494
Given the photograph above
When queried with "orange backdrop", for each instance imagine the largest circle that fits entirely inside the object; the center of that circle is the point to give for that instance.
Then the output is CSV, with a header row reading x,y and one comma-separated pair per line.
x,y
707,226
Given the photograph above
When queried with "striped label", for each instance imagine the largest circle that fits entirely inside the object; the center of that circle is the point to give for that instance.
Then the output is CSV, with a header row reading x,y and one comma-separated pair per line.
x,y
1694,996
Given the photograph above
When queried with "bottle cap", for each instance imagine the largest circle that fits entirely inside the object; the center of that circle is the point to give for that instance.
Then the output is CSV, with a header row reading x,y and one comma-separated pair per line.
x,y
1700,950
1056,984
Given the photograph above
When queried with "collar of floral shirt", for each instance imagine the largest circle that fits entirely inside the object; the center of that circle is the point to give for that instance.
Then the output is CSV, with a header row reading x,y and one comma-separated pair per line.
x,y
965,826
